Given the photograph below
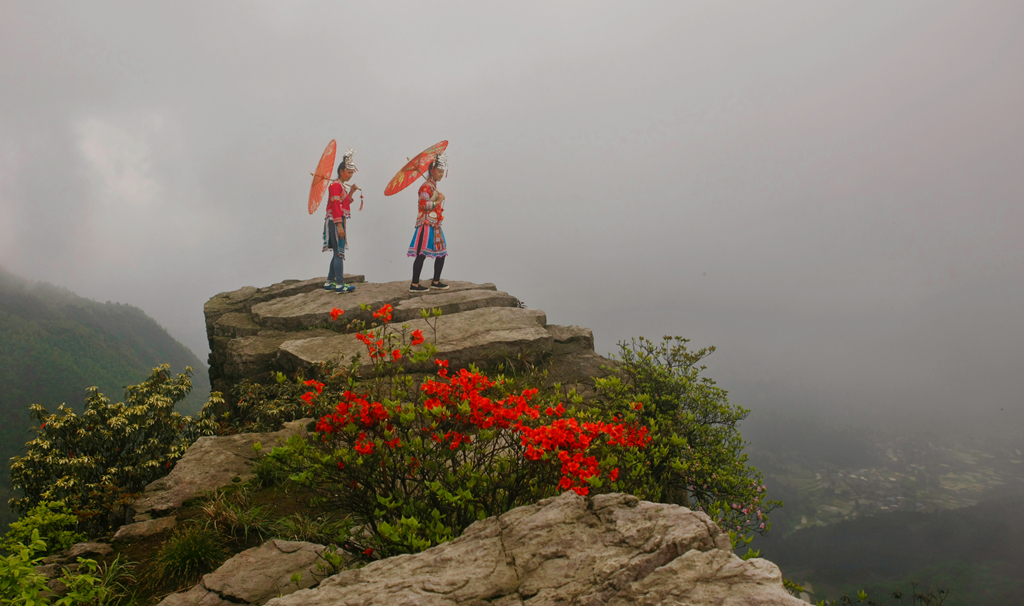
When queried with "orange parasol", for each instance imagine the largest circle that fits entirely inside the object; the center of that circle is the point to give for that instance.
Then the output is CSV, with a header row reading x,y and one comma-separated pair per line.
x,y
322,176
414,169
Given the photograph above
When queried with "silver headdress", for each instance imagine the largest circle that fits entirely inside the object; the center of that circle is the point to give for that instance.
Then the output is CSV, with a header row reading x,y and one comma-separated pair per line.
x,y
347,159
441,161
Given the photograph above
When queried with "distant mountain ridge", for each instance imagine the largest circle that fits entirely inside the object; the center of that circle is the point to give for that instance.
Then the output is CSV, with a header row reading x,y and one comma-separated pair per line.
x,y
55,344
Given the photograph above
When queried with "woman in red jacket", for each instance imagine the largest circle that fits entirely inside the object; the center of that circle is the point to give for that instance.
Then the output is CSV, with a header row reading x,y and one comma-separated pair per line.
x,y
339,210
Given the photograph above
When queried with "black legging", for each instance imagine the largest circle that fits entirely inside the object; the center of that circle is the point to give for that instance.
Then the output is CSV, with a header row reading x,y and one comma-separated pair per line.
x,y
417,267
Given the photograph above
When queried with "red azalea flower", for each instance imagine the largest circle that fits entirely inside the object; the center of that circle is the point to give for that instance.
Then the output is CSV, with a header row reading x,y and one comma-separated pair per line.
x,y
396,354
335,312
307,397
363,445
368,551
384,313
417,337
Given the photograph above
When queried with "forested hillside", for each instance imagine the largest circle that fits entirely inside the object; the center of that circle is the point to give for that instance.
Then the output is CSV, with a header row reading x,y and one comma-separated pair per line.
x,y
55,344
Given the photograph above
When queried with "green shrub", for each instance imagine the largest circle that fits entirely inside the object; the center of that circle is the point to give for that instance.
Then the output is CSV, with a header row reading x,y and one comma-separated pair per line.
x,y
90,583
696,456
55,523
97,463
19,581
260,407
189,553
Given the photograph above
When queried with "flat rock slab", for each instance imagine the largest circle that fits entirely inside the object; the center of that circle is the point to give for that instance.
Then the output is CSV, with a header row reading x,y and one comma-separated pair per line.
x,y
609,549
308,309
88,549
145,528
210,463
452,302
244,298
482,336
256,575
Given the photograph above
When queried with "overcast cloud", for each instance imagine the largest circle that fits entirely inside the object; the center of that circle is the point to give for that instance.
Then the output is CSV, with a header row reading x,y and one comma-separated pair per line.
x,y
830,192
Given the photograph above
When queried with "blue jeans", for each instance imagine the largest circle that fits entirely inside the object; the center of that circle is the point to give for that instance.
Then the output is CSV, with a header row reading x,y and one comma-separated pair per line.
x,y
336,273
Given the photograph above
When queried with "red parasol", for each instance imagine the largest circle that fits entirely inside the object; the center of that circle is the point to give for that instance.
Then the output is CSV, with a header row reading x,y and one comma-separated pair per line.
x,y
322,176
414,169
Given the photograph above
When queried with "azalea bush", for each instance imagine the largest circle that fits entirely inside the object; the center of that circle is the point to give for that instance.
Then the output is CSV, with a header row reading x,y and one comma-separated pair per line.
x,y
696,456
98,462
260,407
415,466
265,406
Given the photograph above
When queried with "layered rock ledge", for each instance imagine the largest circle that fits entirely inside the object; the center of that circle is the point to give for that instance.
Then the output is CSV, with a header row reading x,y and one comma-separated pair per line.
x,y
286,327
609,549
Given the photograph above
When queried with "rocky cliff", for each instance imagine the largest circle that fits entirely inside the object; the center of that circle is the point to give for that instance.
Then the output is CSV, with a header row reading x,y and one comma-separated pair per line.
x,y
606,549
284,327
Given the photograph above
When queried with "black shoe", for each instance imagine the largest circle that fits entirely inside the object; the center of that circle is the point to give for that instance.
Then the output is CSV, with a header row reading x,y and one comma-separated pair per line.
x,y
418,288
438,286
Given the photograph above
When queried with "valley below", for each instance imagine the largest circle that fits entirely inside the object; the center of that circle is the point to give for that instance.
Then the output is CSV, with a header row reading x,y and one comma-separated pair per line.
x,y
881,510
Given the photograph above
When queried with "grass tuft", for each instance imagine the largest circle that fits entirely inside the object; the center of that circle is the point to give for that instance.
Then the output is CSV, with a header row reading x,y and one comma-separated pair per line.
x,y
188,554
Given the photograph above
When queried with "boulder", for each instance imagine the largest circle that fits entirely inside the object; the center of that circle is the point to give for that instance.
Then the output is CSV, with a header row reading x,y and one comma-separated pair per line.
x,y
609,549
91,550
53,565
208,464
256,575
145,528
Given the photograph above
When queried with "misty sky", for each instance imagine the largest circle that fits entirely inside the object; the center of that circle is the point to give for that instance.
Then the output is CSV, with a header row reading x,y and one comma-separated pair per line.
x,y
830,192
